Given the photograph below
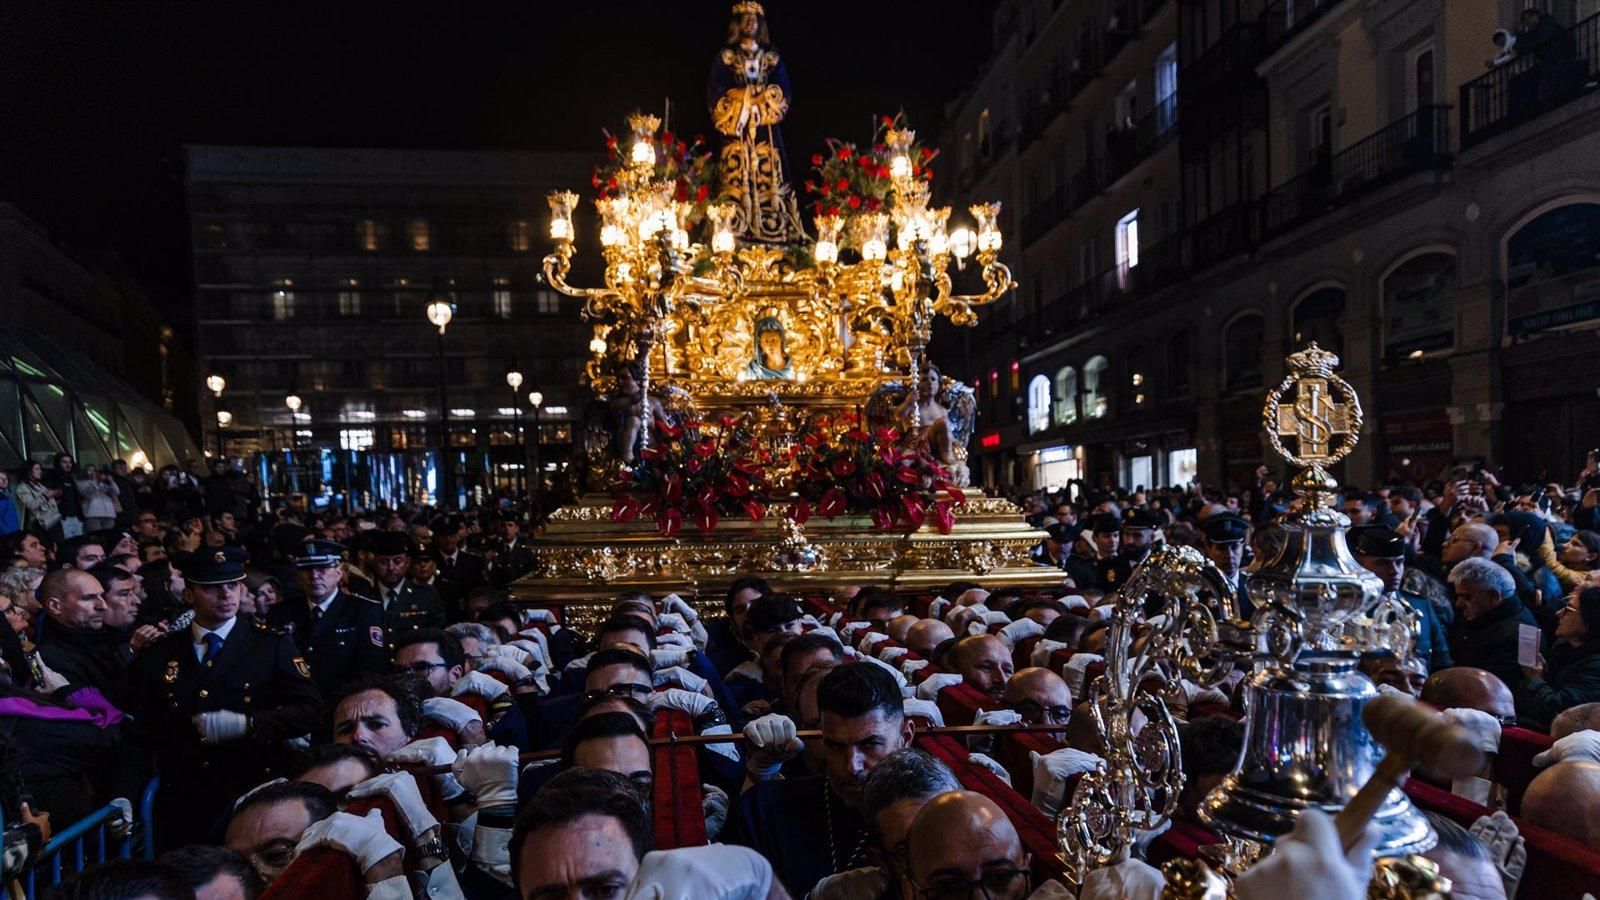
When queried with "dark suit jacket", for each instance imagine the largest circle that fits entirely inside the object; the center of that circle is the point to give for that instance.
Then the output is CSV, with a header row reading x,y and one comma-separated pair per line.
x,y
466,571
414,606
347,641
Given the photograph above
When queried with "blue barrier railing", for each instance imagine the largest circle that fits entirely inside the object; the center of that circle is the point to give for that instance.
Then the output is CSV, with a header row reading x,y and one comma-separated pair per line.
x,y
89,841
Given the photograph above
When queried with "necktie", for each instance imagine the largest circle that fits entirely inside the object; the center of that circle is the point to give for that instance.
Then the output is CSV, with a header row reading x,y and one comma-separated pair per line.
x,y
213,644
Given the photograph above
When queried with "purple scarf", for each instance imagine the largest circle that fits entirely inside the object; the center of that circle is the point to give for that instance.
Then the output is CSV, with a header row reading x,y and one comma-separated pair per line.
x,y
87,706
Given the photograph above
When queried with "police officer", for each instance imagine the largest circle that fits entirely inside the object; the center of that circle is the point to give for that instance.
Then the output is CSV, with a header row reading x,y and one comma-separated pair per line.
x,y
218,700
456,563
340,634
1382,552
1139,532
513,558
407,606
1224,534
1052,551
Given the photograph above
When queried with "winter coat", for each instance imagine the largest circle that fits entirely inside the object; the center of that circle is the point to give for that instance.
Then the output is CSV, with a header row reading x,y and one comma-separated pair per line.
x,y
1571,676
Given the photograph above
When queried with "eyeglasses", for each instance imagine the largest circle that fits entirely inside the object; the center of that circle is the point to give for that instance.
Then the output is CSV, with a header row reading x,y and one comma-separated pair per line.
x,y
1050,715
616,690
993,885
420,668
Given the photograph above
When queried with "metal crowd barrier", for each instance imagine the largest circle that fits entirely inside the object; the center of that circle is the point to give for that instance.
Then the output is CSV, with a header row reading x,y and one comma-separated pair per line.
x,y
88,842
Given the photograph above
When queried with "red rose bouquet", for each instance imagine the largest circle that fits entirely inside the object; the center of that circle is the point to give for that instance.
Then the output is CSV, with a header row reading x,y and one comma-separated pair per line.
x,y
693,473
687,164
848,470
848,179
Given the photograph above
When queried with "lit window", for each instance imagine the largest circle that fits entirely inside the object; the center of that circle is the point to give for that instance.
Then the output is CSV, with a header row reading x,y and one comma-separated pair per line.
x,y
283,301
1066,406
501,298
519,235
350,299
367,234
355,438
1095,402
1038,404
421,238
1128,241
549,303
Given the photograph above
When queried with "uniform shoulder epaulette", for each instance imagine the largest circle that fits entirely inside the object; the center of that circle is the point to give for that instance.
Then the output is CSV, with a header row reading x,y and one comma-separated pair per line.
x,y
357,596
261,625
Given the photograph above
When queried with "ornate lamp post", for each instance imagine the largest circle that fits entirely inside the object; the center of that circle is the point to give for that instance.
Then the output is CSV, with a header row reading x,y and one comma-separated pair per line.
x,y
294,403
514,381
216,383
536,400
224,419
440,311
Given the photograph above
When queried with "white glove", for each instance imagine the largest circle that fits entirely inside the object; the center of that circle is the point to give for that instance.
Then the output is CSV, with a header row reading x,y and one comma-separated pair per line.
x,y
892,654
927,709
714,872
480,684
977,609
220,726
937,607
823,629
1130,879
538,617
835,618
50,680
990,764
1074,602
505,665
662,657
508,651
489,771
810,621
714,806
1050,774
1019,631
677,623
1577,745
1000,717
772,739
1506,848
690,702
672,603
683,678
429,752
899,679
1484,728
997,617
675,640
931,686
1102,613
121,823
912,666
1073,671
361,837
1045,649
534,635
453,714
401,789
1310,862
849,632
870,640
539,656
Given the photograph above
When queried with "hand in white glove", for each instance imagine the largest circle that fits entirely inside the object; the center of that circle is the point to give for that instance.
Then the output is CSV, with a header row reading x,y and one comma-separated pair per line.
x,y
662,657
823,629
121,823
452,714
927,709
480,684
912,666
870,640
771,739
1130,879
672,603
426,753
507,651
675,640
677,623
1019,631
1310,862
401,789
1074,603
715,871
1051,773
849,632
49,679
931,686
683,678
221,726
690,702
1484,728
992,765
1506,847
361,837
539,657
1577,745
997,617
1073,671
937,607
538,617
490,773
899,679
978,610
892,654
998,717
1045,649
505,665
714,806
810,621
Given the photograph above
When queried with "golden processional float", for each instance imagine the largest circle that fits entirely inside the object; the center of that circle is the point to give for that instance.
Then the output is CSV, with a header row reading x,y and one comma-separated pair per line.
x,y
764,401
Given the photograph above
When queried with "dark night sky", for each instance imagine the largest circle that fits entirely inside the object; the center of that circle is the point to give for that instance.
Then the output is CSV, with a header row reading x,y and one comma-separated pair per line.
x,y
96,99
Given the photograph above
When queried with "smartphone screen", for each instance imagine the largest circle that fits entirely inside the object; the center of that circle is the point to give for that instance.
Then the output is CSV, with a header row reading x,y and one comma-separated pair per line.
x,y
1527,645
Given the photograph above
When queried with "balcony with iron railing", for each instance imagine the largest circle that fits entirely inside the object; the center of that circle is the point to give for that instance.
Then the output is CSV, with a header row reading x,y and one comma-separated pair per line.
x,y
1044,215
1417,142
1232,230
1531,85
1283,20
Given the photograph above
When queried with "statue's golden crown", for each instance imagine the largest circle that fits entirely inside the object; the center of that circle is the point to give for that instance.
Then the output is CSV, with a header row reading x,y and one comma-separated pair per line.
x,y
1312,361
740,9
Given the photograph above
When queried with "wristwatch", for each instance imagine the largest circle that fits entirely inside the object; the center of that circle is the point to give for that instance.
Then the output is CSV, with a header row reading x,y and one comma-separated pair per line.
x,y
433,848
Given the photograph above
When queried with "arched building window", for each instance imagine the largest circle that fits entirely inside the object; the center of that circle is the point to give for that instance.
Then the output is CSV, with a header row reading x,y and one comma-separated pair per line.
x,y
1319,317
1038,404
1551,267
1096,391
1066,411
1242,343
1417,317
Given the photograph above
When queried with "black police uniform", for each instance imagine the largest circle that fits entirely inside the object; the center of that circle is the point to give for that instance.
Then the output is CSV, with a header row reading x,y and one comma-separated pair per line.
x,y
408,606
514,561
1433,640
1112,572
1229,528
1063,535
257,671
345,641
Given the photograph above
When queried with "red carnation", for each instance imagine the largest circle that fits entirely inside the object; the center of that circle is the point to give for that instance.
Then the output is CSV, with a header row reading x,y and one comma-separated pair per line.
x,y
611,142
888,121
703,192
681,193
844,184
833,210
800,512
927,154
843,467
816,159
855,202
874,204
844,153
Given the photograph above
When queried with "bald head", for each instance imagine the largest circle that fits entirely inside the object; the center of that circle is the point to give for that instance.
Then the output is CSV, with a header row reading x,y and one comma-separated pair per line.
x,y
927,634
900,626
983,661
1565,798
1583,717
1462,687
1041,687
962,837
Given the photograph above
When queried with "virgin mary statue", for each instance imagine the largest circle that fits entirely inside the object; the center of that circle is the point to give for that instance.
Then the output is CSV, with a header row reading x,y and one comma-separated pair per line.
x,y
748,94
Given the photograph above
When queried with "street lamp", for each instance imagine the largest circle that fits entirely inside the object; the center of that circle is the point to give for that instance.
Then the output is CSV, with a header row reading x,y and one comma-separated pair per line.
x,y
514,380
536,400
216,383
440,311
294,403
224,419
